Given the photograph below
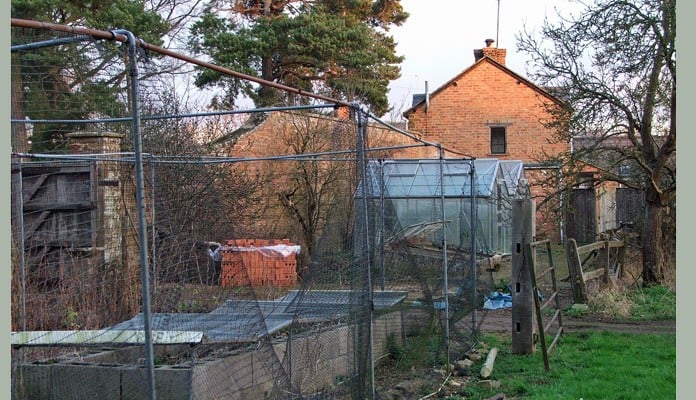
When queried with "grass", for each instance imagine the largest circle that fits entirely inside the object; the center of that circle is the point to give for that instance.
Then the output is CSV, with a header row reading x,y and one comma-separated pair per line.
x,y
654,303
418,351
594,365
588,365
633,304
584,365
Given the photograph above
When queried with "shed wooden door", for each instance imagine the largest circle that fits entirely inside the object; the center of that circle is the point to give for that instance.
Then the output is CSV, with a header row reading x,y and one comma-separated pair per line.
x,y
58,206
581,216
630,206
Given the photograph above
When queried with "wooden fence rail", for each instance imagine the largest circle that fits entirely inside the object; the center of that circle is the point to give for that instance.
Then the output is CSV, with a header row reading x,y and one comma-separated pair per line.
x,y
607,263
553,299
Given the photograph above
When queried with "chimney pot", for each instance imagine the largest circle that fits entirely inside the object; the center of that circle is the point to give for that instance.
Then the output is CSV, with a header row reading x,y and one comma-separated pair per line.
x,y
491,52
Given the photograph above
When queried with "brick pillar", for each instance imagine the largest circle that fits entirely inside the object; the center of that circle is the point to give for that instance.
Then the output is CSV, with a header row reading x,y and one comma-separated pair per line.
x,y
94,142
115,238
107,190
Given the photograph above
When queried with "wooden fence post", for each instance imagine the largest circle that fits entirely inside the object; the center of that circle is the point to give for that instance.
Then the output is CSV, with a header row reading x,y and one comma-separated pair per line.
x,y
620,260
523,232
604,259
575,271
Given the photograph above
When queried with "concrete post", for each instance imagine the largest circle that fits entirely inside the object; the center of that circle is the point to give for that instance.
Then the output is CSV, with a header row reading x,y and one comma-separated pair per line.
x,y
523,233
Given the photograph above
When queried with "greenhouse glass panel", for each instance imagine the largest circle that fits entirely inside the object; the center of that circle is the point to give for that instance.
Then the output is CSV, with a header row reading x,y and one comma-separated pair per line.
x,y
412,189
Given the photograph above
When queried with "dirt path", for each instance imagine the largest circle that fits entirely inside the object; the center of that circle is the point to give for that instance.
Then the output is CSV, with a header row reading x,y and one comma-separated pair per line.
x,y
580,324
500,321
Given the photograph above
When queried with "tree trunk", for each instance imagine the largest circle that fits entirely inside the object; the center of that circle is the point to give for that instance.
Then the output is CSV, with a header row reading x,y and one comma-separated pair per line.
x,y
652,239
267,94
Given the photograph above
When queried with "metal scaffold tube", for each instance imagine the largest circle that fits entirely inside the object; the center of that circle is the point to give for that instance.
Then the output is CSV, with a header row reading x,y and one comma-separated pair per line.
x,y
444,254
361,118
140,200
472,225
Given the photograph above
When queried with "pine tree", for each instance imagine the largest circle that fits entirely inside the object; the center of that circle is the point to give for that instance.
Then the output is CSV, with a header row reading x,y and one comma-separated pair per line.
x,y
338,48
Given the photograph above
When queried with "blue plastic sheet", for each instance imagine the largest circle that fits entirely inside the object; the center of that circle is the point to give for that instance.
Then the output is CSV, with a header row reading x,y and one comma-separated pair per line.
x,y
497,300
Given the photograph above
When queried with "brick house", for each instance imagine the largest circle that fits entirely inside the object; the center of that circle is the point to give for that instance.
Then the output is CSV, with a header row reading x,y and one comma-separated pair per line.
x,y
490,111
287,208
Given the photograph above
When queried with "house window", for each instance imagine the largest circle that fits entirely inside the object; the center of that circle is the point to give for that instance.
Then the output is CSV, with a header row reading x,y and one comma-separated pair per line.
x,y
498,142
624,171
585,180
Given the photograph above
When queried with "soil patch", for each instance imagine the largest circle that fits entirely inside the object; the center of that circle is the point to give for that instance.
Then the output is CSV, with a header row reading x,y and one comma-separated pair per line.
x,y
500,321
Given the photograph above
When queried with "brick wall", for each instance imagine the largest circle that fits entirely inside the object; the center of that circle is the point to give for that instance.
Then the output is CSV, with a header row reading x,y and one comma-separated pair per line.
x,y
290,133
460,115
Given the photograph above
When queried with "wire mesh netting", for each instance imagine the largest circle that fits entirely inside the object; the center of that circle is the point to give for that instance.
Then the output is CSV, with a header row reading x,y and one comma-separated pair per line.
x,y
268,253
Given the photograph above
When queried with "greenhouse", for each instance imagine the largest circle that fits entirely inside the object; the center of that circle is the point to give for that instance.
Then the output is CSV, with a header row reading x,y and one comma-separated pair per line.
x,y
408,196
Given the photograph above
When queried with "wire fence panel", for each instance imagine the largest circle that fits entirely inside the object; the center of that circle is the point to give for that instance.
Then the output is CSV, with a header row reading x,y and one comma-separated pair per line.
x,y
279,265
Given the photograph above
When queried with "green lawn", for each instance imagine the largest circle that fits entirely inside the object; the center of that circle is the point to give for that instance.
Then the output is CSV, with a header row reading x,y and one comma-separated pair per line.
x,y
588,365
594,365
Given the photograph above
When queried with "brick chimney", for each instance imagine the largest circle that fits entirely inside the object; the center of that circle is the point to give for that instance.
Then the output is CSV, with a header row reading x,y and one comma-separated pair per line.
x,y
491,52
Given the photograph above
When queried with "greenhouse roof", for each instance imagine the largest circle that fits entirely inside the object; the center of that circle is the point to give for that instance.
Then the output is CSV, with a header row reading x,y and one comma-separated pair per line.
x,y
421,178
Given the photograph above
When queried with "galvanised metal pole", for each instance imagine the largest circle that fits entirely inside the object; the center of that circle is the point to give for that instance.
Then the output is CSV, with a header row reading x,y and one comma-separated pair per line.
x,y
22,261
140,205
361,118
381,223
472,218
445,279
154,234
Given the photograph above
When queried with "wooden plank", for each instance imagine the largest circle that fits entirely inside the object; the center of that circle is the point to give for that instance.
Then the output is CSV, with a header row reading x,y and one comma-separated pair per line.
x,y
587,276
53,167
34,188
30,230
616,243
104,336
575,271
540,242
552,320
531,254
556,296
590,247
604,255
552,297
546,271
67,206
555,339
600,245
620,257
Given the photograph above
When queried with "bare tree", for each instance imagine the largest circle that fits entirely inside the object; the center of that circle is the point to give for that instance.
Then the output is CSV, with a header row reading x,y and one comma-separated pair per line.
x,y
308,189
615,64
195,200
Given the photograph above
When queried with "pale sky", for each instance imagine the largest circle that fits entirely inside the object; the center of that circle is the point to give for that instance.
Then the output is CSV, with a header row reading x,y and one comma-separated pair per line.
x,y
439,38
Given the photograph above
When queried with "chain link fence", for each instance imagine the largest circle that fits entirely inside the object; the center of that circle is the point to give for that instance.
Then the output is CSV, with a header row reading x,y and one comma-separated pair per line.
x,y
164,250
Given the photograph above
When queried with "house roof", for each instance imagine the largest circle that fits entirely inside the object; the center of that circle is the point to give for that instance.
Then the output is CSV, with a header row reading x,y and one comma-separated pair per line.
x,y
270,121
421,101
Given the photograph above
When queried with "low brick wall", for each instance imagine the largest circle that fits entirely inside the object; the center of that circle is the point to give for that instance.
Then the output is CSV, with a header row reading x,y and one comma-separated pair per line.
x,y
318,361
